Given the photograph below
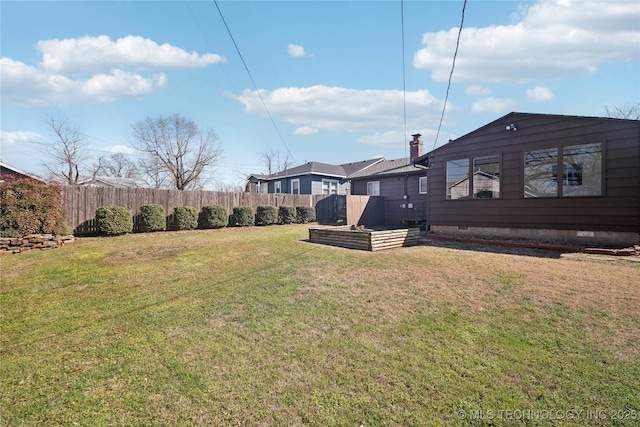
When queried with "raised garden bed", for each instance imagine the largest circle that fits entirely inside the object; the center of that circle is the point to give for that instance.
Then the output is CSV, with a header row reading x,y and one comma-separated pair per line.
x,y
367,239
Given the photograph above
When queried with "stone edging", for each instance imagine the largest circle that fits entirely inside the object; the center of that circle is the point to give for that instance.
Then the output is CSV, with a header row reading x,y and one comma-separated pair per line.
x,y
13,245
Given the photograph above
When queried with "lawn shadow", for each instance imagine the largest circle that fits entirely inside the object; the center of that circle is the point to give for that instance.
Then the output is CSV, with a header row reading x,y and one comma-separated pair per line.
x,y
523,248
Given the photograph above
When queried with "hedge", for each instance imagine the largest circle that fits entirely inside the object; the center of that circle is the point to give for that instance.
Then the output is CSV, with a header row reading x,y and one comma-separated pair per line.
x,y
242,216
185,218
305,214
113,220
213,216
286,214
266,215
152,218
28,206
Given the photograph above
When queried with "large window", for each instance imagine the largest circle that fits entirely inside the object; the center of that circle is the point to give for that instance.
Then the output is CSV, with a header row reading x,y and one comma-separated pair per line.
x,y
295,186
486,177
329,186
458,179
582,170
422,184
373,188
572,171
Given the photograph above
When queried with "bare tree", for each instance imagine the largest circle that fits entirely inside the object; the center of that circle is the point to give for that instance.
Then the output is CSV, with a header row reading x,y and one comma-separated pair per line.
x,y
68,152
628,110
177,146
119,166
274,161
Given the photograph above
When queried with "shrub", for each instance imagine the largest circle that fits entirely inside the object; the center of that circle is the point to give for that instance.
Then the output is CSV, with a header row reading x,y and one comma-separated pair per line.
x,y
28,206
185,218
286,214
213,216
266,215
305,214
242,216
113,220
152,218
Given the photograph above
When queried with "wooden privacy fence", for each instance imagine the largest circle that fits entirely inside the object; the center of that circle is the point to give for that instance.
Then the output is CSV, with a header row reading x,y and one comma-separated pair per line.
x,y
81,202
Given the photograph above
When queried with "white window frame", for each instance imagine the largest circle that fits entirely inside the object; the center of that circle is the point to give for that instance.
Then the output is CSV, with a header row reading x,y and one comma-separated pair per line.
x,y
373,188
295,185
422,185
277,187
330,185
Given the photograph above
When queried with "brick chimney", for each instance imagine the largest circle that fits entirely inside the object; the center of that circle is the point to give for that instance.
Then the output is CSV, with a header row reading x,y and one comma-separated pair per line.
x,y
415,147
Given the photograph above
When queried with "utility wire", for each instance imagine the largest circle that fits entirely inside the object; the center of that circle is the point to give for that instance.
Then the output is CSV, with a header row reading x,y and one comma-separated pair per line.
x,y
253,81
404,84
450,74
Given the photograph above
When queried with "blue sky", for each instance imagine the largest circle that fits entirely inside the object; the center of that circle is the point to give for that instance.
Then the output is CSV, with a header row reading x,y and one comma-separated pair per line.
x,y
330,72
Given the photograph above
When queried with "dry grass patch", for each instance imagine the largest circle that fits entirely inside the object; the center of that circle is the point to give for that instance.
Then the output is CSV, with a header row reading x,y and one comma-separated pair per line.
x,y
257,327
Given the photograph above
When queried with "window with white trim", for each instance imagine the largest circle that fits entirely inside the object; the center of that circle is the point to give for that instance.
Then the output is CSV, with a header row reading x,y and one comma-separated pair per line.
x,y
277,187
329,186
295,186
422,184
373,188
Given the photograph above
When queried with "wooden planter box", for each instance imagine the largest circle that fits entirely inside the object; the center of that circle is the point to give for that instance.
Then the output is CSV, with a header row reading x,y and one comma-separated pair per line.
x,y
368,239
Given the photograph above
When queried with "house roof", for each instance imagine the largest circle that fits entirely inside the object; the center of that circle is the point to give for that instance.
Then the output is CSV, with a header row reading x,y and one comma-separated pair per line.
x,y
324,169
111,181
10,170
388,167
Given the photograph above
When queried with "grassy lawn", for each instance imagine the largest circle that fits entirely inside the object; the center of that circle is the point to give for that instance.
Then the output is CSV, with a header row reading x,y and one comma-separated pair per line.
x,y
255,326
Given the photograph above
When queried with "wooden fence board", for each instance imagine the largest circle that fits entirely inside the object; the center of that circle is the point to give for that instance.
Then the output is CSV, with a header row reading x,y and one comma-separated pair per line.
x,y
81,202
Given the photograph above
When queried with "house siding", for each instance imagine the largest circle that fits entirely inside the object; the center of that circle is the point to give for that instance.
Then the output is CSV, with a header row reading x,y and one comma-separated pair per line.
x,y
616,210
392,188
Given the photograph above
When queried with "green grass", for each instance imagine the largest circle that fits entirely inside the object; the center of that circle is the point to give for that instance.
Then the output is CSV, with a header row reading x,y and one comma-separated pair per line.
x,y
255,326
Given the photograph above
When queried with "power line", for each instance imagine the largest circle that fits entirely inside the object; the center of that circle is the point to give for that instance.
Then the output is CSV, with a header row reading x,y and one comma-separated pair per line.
x,y
464,5
404,85
253,81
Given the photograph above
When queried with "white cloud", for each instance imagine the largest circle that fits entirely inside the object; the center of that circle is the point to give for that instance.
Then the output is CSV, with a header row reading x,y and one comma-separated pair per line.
x,y
100,54
27,86
493,105
296,51
540,94
93,70
324,107
550,39
19,137
124,149
305,130
477,90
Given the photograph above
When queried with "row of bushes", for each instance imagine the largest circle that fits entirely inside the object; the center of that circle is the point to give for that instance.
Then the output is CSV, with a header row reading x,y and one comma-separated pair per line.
x,y
115,220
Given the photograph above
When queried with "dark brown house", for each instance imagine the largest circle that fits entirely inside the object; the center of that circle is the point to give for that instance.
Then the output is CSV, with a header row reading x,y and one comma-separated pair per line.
x,y
402,184
539,176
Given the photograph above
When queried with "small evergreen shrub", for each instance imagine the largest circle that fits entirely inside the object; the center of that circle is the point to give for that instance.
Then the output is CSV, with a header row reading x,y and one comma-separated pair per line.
x,y
266,215
305,214
113,220
29,206
286,214
185,218
242,216
213,216
152,218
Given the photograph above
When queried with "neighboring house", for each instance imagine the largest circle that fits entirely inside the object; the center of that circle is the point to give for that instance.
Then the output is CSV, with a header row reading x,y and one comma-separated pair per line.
x,y
402,184
539,176
309,178
115,182
9,172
